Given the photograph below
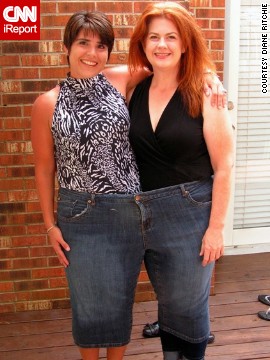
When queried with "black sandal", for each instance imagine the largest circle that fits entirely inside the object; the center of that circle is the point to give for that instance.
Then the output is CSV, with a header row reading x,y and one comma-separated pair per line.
x,y
151,330
265,315
265,299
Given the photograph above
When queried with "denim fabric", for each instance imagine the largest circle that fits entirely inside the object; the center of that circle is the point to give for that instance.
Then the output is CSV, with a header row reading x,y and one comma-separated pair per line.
x,y
174,222
110,234
103,232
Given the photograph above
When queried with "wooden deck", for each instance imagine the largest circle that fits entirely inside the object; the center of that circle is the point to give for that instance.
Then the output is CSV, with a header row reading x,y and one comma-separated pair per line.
x,y
240,334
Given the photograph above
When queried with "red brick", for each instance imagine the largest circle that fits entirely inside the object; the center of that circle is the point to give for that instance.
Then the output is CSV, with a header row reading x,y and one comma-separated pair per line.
x,y
36,229
16,123
10,160
20,47
61,304
24,218
145,296
218,24
5,308
143,276
204,23
114,7
57,20
40,60
5,242
48,7
10,86
7,298
218,3
3,172
53,261
9,60
120,58
34,305
200,3
40,240
20,73
50,34
29,264
5,264
210,13
42,251
51,46
15,275
11,135
139,6
27,110
214,34
48,273
123,32
11,184
14,253
124,20
31,285
217,45
12,230
10,111
25,195
49,294
145,286
6,286
58,282
23,171
217,55
70,7
12,207
54,73
40,86
33,206
24,296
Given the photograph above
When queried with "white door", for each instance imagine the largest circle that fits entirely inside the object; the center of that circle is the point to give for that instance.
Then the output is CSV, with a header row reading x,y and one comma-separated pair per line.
x,y
246,77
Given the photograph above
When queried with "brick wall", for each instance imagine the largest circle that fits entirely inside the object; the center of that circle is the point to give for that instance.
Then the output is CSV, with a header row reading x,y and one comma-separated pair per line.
x,y
30,276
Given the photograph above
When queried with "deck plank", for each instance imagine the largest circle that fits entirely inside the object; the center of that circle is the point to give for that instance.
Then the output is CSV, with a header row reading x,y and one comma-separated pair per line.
x,y
240,334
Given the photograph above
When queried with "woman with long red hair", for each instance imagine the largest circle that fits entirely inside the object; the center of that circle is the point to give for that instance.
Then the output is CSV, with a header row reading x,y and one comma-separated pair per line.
x,y
184,151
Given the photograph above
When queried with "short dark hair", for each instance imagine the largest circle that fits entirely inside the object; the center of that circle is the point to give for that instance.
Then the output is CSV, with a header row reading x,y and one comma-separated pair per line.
x,y
94,22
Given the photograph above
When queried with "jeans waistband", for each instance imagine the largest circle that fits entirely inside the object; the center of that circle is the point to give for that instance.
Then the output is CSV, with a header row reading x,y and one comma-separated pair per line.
x,y
84,195
170,190
147,195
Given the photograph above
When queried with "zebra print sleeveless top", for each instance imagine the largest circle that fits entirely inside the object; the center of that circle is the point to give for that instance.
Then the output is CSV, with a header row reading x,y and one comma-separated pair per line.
x,y
91,138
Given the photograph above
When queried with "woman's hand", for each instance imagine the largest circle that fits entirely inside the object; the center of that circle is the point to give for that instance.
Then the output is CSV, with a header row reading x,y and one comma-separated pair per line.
x,y
213,86
59,244
212,246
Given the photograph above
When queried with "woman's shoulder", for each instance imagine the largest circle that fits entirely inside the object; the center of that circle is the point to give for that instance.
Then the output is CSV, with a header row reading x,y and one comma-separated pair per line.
x,y
49,98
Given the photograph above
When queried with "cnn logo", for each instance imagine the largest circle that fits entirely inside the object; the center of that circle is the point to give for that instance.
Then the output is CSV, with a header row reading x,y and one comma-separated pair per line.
x,y
17,13
20,22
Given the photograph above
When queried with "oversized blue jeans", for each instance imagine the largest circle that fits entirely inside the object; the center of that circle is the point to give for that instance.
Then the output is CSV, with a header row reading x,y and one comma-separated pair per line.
x,y
109,236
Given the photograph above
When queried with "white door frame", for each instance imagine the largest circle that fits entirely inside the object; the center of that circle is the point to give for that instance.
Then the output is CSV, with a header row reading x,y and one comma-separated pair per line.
x,y
238,241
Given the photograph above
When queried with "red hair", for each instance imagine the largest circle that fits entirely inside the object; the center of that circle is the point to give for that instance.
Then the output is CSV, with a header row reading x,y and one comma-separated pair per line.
x,y
194,61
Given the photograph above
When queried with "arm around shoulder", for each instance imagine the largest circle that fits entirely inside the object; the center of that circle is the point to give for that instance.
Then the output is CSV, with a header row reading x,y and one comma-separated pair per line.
x,y
123,79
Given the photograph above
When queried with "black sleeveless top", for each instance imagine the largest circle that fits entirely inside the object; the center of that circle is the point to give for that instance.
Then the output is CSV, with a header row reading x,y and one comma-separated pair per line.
x,y
176,152
90,130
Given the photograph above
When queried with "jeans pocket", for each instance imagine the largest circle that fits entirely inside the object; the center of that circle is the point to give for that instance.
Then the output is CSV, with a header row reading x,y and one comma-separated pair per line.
x,y
71,210
199,193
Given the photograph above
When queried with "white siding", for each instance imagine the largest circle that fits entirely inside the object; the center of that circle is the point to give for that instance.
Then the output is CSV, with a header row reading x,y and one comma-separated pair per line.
x,y
252,173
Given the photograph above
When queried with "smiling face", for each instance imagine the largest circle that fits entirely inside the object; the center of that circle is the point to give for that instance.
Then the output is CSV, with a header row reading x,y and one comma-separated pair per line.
x,y
163,46
87,55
